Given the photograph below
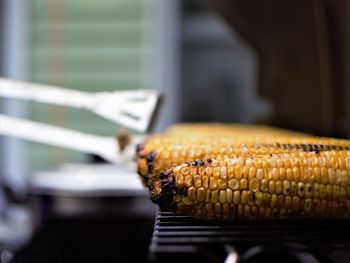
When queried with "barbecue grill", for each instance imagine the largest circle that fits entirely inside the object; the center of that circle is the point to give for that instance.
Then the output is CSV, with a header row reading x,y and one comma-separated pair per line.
x,y
178,238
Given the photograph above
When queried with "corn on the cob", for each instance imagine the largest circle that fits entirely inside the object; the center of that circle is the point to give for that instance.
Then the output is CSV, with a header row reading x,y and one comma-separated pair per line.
x,y
238,171
293,185
184,143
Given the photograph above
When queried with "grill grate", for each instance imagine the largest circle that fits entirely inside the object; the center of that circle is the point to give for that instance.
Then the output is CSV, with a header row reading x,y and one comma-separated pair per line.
x,y
178,237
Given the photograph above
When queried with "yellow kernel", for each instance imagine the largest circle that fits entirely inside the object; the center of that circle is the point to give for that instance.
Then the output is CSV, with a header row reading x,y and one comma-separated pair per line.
x,y
207,196
214,196
243,184
185,170
282,172
338,177
205,181
209,170
193,170
266,199
230,171
238,172
216,171
275,174
236,197
331,176
258,198
233,184
244,197
260,174
177,170
344,178
201,194
296,174
229,195
222,196
180,180
189,180
252,172
274,200
197,181
289,174
222,184
271,187
223,172
324,175
187,201
192,193
264,186
213,183
254,185
279,187
245,172
201,171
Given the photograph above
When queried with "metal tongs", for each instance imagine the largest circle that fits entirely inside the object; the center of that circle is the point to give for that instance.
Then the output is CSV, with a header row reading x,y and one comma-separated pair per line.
x,y
133,109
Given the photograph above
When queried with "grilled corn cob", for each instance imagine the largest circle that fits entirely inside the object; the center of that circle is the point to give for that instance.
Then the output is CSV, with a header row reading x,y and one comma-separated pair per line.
x,y
185,143
273,186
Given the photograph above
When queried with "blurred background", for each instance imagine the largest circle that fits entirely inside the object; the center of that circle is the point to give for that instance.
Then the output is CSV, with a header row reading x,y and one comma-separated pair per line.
x,y
283,63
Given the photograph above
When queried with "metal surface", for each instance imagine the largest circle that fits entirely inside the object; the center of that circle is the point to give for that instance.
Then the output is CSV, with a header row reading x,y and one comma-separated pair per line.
x,y
177,237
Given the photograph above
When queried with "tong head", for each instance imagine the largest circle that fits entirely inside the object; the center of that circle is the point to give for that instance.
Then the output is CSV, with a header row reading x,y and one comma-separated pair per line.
x,y
135,109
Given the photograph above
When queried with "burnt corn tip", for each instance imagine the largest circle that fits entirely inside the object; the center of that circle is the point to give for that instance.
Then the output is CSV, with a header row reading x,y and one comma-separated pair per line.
x,y
163,191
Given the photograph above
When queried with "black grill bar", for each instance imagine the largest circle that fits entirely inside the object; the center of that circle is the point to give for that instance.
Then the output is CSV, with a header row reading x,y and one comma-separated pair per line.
x,y
176,235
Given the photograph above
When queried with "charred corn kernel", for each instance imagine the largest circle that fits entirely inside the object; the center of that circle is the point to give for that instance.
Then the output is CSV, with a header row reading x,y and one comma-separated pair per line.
x,y
240,212
233,184
218,208
301,189
308,190
254,185
247,211
177,198
293,188
342,194
286,187
226,211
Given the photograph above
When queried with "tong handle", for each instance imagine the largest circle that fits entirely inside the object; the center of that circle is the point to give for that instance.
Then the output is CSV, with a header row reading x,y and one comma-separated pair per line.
x,y
106,147
45,94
